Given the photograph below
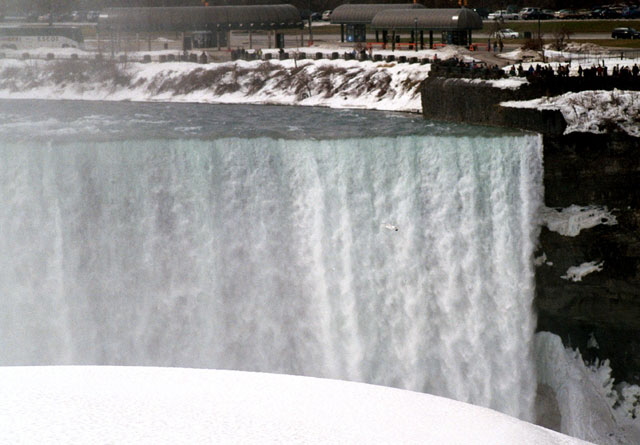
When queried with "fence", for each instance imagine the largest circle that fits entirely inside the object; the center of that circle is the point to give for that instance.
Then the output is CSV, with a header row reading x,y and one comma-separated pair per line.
x,y
588,58
234,55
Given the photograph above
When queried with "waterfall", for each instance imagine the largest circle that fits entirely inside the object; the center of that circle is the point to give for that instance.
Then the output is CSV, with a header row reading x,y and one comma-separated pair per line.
x,y
280,256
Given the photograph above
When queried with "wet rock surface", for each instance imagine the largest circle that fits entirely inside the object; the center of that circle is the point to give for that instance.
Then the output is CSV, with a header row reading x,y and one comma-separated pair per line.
x,y
600,170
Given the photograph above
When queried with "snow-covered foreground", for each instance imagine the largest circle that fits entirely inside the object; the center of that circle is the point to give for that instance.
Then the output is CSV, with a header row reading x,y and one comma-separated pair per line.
x,y
84,405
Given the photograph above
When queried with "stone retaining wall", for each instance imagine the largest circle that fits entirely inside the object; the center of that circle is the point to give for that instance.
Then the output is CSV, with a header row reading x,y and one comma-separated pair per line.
x,y
478,102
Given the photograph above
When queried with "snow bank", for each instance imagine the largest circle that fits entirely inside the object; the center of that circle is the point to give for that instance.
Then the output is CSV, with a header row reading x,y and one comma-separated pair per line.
x,y
512,83
328,83
586,111
520,54
576,273
80,405
571,220
592,111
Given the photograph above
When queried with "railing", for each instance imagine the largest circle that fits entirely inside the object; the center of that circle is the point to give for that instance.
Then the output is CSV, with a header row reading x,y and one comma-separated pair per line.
x,y
402,45
556,84
458,69
244,55
591,57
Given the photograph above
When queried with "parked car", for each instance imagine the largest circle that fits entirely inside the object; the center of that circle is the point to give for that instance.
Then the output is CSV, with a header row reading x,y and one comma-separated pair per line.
x,y
78,16
305,14
605,13
537,15
625,33
631,13
564,14
93,16
504,15
526,11
609,13
326,15
505,34
582,14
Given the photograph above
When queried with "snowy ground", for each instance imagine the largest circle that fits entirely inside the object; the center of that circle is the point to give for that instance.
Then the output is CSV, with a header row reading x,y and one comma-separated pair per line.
x,y
144,405
85,405
335,84
587,111
592,111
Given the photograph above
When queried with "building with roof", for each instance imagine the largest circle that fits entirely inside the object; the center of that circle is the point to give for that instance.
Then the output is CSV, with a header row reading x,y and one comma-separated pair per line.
x,y
454,25
217,22
354,18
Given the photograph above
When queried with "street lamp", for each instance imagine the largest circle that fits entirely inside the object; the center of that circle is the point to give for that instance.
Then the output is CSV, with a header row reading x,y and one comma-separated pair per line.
x,y
415,33
540,37
310,24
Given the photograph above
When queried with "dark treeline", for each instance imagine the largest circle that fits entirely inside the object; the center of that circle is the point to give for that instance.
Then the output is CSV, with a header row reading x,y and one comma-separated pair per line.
x,y
60,6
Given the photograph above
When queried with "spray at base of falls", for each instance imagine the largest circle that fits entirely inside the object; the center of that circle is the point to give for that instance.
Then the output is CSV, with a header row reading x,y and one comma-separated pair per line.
x,y
582,399
272,255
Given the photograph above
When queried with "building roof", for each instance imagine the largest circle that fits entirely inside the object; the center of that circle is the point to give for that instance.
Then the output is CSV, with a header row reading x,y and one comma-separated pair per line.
x,y
201,18
431,19
364,13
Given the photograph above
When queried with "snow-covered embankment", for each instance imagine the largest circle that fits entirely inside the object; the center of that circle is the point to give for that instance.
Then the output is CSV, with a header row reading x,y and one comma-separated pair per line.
x,y
329,83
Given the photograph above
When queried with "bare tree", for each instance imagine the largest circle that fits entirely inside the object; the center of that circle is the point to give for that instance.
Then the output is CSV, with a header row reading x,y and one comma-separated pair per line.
x,y
560,36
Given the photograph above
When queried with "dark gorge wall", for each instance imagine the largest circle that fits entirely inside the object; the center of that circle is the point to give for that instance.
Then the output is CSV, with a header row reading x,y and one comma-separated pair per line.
x,y
584,170
600,170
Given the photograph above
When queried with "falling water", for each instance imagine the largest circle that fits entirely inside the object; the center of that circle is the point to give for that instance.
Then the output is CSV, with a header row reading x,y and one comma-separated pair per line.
x,y
278,255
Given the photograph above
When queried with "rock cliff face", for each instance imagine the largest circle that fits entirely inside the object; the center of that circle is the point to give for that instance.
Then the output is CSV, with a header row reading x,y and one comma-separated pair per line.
x,y
601,170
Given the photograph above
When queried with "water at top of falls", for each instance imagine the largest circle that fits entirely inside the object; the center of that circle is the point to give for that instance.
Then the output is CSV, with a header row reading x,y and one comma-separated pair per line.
x,y
67,121
402,258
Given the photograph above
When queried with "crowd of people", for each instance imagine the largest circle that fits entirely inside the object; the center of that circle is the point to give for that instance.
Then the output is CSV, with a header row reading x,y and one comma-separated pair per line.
x,y
455,67
594,71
